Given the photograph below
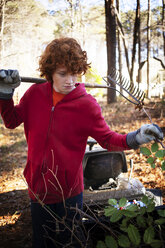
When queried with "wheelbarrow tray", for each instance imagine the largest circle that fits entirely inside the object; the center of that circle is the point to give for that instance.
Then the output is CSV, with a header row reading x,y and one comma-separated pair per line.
x,y
100,165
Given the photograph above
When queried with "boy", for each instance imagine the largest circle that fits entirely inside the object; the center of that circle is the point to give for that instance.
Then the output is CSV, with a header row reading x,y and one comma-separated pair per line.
x,y
58,118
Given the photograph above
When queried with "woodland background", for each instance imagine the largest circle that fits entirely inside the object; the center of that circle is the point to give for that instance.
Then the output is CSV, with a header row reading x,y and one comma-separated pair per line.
x,y
133,40
114,34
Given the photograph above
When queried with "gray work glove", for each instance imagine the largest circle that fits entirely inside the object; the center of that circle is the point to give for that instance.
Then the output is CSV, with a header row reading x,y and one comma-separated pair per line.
x,y
9,80
145,134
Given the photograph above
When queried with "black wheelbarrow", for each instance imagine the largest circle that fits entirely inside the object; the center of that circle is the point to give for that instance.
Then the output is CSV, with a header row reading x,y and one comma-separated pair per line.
x,y
99,165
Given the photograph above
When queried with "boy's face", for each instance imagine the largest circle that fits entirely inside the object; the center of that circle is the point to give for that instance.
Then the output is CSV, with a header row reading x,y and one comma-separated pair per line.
x,y
63,81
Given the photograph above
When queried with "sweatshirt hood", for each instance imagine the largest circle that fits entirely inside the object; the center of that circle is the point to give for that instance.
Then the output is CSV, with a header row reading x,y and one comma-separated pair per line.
x,y
78,92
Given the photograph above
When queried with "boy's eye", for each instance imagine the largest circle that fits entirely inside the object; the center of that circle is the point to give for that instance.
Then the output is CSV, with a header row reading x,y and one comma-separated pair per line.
x,y
62,73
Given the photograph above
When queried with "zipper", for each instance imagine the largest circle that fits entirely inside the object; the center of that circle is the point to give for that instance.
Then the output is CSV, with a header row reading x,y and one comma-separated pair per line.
x,y
44,166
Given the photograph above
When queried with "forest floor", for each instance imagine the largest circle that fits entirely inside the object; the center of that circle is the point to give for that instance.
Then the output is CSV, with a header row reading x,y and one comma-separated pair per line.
x,y
15,219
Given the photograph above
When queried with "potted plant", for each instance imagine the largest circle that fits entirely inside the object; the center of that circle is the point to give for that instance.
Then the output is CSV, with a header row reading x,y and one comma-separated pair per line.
x,y
134,224
137,223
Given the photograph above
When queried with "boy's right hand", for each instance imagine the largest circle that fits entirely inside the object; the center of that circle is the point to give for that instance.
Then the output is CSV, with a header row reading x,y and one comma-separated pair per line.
x,y
9,80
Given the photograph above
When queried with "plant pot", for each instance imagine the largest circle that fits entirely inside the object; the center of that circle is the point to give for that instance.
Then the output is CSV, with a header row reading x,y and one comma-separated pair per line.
x,y
98,232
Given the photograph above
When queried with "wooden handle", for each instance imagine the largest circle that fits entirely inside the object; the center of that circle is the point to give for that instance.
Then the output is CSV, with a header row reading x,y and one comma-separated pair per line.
x,y
41,80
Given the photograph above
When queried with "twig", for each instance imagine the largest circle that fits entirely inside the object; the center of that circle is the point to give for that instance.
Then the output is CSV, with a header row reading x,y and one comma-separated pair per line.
x,y
96,220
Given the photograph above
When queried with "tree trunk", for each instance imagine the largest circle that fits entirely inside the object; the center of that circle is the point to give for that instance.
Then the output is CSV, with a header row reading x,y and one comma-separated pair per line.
x,y
71,16
163,23
135,38
2,14
111,44
120,28
119,44
148,47
139,79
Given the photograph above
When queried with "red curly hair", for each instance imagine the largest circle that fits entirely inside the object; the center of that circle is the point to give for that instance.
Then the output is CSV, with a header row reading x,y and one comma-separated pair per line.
x,y
63,52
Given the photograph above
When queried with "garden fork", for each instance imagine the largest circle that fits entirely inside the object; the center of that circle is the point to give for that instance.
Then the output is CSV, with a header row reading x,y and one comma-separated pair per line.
x,y
137,96
115,78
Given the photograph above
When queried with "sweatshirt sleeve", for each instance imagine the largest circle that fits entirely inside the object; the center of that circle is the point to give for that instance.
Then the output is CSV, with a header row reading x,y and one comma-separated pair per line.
x,y
102,133
12,115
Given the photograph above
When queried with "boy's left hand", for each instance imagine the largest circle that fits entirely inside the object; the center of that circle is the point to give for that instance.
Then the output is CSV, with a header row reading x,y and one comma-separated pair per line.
x,y
149,132
145,134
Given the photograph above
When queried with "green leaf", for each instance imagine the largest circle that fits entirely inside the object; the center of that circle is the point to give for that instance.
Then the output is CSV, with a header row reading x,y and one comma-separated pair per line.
x,y
149,235
134,234
161,212
160,221
141,221
109,211
156,243
154,147
145,151
124,224
123,241
129,213
117,215
145,199
150,160
159,154
132,207
142,211
124,229
122,202
163,165
101,244
112,202
150,207
110,242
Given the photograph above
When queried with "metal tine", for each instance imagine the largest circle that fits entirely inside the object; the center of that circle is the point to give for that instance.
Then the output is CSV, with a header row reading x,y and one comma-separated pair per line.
x,y
113,72
113,75
122,80
112,78
133,91
140,93
136,91
136,102
126,83
142,96
137,94
118,79
124,88
131,88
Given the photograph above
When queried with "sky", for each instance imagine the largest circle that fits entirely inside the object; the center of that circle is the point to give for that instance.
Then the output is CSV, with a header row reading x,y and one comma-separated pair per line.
x,y
124,4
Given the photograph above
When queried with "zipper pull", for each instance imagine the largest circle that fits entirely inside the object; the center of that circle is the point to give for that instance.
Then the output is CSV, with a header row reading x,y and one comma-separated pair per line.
x,y
53,108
